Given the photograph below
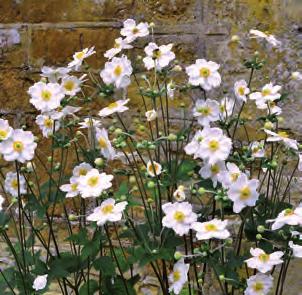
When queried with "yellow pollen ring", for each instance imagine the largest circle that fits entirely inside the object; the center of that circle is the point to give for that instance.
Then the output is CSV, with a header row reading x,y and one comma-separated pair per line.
x,y
179,216
107,209
204,72
18,146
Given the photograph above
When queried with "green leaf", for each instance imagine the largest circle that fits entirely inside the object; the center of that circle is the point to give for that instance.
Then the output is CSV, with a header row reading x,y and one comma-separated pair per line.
x,y
105,265
89,288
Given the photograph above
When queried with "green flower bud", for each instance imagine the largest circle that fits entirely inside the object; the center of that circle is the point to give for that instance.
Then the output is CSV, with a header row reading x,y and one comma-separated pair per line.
x,y
172,137
123,197
259,237
72,217
260,228
49,159
229,241
221,277
178,255
132,179
118,131
99,162
154,251
201,190
150,200
150,184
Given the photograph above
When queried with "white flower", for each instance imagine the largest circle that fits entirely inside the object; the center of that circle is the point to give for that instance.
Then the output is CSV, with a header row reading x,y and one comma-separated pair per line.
x,y
40,282
171,89
119,45
79,56
81,170
192,148
243,192
94,183
180,195
153,168
151,115
229,176
117,72
287,216
71,85
259,284
158,56
206,111
46,96
268,93
108,211
269,105
215,146
281,136
115,107
297,249
104,144
60,112
257,149
296,76
241,90
212,171
11,184
268,37
131,30
20,146
71,188
179,217
204,73
2,200
46,124
89,123
5,130
226,106
54,74
211,229
179,276
262,261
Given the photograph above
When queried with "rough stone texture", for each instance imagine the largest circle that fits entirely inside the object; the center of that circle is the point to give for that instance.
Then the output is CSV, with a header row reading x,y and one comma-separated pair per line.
x,y
35,33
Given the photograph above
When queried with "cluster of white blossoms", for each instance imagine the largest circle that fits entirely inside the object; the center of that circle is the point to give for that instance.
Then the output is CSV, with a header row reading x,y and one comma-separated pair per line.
x,y
87,182
16,144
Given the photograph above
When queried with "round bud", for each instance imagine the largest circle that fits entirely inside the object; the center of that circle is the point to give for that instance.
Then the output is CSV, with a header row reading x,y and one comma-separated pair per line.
x,y
229,241
221,277
268,125
274,164
258,236
178,255
196,251
235,38
260,228
123,197
49,159
200,281
135,188
151,184
177,68
141,128
31,184
201,190
118,131
280,119
132,179
152,25
99,162
154,251
150,200
72,217
217,198
172,137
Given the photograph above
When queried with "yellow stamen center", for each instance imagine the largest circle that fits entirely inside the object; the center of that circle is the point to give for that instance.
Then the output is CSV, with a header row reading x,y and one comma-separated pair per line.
x,y
234,176
288,212
107,209
156,53
82,171
118,70
18,146
135,30
213,145
102,143
241,90
14,183
264,257
266,92
215,169
80,55
156,167
211,227
93,181
206,111
3,134
258,286
46,95
48,123
179,216
113,105
204,72
74,186
283,134
69,85
176,276
245,193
